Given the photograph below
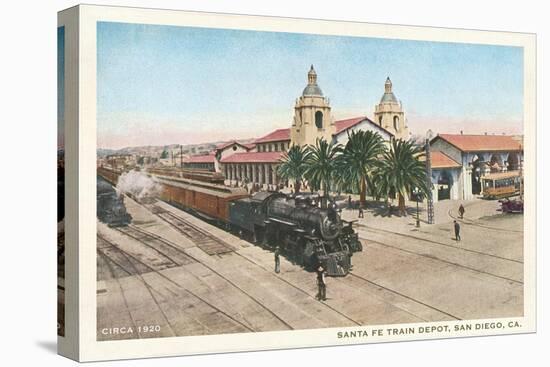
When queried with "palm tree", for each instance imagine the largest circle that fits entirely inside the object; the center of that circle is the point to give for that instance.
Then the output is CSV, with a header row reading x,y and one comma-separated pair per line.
x,y
321,164
400,171
292,165
358,160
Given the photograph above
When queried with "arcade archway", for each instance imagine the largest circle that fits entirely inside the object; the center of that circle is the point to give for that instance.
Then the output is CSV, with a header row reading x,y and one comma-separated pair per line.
x,y
496,164
444,185
476,175
513,162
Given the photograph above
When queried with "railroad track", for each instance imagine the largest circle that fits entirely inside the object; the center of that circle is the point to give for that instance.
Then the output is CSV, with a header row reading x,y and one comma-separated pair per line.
x,y
438,243
144,235
158,244
151,289
473,223
446,262
404,296
269,271
362,279
210,244
113,274
115,256
128,256
160,211
157,210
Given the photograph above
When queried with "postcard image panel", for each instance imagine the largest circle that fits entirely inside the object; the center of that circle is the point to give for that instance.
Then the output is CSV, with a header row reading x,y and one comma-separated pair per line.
x,y
258,181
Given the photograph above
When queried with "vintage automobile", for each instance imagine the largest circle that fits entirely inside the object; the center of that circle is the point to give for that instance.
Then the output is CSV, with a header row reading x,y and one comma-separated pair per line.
x,y
511,205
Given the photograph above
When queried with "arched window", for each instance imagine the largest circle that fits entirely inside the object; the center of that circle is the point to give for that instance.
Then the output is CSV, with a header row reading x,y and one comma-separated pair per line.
x,y
396,123
319,119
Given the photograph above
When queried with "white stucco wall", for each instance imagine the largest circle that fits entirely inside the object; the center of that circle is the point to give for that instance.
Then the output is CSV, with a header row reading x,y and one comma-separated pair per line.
x,y
365,125
226,152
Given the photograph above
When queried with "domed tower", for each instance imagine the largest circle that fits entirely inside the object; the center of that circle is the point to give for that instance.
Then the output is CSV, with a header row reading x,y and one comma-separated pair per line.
x,y
389,113
312,117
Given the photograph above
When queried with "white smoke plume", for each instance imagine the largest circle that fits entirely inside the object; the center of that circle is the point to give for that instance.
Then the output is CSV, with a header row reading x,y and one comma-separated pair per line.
x,y
138,185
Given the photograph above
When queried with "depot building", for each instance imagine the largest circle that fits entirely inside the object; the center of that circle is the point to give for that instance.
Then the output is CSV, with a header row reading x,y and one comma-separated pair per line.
x,y
257,162
459,162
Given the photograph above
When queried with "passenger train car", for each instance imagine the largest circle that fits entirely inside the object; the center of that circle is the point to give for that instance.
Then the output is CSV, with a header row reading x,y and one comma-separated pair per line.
x,y
206,199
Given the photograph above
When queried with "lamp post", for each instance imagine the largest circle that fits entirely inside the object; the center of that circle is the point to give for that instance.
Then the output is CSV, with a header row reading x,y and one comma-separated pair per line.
x,y
429,197
416,193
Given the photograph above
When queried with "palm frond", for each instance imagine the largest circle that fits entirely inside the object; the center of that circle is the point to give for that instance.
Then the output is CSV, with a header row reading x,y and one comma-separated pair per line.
x,y
321,164
401,170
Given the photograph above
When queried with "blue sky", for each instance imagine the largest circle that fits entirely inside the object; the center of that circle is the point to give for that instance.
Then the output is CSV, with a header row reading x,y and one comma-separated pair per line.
x,y
163,84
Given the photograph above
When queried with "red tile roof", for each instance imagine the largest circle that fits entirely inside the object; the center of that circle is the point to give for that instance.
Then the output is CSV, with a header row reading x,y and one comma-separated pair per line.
x,y
478,143
254,157
277,135
342,125
441,160
205,158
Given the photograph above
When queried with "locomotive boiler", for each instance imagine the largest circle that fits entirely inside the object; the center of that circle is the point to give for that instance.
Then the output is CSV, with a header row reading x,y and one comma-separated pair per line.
x,y
310,233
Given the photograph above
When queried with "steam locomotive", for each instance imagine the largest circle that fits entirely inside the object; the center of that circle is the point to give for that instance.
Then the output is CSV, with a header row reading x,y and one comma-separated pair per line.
x,y
306,228
110,205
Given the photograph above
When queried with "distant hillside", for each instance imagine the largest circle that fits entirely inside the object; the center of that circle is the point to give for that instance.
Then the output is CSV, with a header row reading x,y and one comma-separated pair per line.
x,y
156,150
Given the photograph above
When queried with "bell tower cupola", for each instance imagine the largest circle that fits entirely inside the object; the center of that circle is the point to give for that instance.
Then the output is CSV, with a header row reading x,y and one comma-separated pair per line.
x,y
389,113
312,115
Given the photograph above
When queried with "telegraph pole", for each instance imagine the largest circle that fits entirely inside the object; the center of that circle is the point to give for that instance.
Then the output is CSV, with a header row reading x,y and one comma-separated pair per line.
x,y
429,197
181,156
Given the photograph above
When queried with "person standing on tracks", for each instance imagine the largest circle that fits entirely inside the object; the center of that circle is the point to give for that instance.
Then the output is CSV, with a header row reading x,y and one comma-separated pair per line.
x,y
277,261
461,211
321,284
457,230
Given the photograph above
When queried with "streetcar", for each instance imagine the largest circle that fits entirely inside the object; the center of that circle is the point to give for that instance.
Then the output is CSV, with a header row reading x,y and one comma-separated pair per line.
x,y
501,184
